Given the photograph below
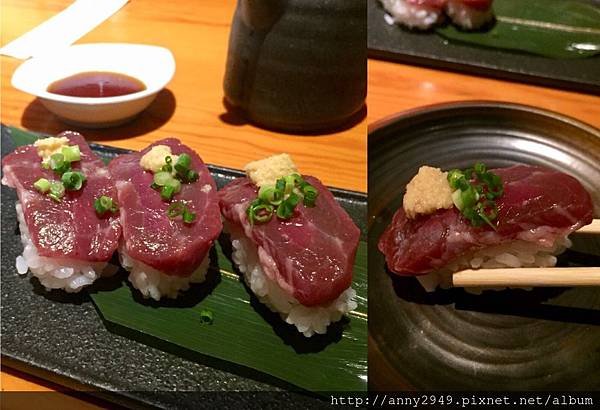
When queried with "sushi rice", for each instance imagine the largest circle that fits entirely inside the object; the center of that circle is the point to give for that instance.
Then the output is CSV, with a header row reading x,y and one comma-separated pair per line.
x,y
57,273
155,284
516,254
411,15
307,319
467,17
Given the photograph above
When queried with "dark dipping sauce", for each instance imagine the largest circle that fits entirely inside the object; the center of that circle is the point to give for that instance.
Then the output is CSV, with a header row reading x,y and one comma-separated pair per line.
x,y
96,84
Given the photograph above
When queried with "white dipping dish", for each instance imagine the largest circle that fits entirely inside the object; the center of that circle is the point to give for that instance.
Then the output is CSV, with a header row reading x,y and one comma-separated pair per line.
x,y
154,66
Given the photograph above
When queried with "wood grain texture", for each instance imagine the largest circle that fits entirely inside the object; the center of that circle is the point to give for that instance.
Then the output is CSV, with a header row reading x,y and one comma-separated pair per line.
x,y
398,87
191,107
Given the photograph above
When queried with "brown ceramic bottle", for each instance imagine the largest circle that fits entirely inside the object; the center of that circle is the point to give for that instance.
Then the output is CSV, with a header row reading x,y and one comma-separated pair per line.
x,y
297,65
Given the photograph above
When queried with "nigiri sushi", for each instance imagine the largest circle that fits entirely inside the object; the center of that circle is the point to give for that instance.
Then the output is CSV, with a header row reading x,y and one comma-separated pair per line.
x,y
519,216
67,241
470,14
417,14
169,213
293,242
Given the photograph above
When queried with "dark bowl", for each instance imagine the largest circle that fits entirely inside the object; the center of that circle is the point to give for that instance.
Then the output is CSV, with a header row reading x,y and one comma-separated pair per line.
x,y
542,339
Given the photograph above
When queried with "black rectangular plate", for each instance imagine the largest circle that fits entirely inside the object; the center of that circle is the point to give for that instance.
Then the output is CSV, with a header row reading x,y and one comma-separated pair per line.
x,y
62,338
428,49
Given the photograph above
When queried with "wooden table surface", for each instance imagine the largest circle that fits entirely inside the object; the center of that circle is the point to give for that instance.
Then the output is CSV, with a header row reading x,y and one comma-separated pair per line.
x,y
192,109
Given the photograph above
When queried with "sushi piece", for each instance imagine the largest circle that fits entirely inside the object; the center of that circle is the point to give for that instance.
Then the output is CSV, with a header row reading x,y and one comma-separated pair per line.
x,y
169,213
519,216
470,14
67,242
293,242
414,14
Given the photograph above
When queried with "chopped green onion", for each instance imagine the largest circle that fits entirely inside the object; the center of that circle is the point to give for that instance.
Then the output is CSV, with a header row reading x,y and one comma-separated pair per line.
x,y
71,153
270,195
73,181
280,185
206,316
42,185
183,163
310,194
290,183
57,191
175,209
261,213
188,216
179,208
453,177
286,209
167,168
281,199
58,164
474,191
168,159
175,184
105,204
162,178
167,192
479,168
192,176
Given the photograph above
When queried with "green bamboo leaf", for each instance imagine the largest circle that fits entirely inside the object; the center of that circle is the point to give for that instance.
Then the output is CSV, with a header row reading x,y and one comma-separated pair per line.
x,y
23,137
244,332
551,28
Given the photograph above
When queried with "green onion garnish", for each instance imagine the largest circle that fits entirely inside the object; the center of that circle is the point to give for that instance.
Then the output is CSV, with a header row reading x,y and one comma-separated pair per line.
x,y
286,209
206,316
310,194
57,191
105,204
58,164
175,209
42,185
170,184
161,178
281,199
270,195
175,184
167,192
290,183
260,213
73,180
188,217
183,163
71,153
180,208
192,176
474,191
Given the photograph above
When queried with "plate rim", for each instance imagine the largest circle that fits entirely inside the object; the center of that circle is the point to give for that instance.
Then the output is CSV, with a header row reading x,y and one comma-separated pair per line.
x,y
434,108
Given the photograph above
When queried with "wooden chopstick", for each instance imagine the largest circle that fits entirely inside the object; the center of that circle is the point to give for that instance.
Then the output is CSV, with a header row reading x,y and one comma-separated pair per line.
x,y
532,277
526,277
594,227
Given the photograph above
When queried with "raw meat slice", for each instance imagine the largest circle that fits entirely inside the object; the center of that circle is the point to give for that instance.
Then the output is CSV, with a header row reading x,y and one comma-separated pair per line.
x,y
311,255
70,228
538,205
150,236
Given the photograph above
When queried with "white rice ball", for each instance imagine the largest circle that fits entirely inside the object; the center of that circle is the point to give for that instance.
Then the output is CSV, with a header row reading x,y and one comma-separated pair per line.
x,y
411,15
156,284
516,254
307,319
56,273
